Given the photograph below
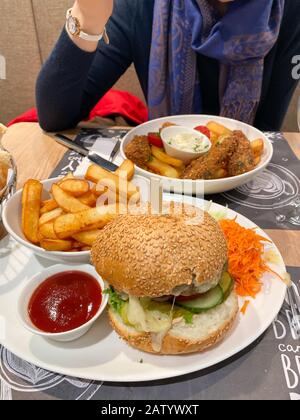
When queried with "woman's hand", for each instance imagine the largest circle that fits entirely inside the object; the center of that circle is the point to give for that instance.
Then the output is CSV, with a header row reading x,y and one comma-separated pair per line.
x,y
93,16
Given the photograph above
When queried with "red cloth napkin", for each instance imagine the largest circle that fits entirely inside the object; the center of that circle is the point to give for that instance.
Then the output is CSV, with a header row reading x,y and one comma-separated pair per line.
x,y
115,102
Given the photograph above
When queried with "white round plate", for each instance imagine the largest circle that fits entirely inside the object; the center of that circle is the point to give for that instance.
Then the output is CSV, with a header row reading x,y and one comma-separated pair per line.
x,y
101,354
201,187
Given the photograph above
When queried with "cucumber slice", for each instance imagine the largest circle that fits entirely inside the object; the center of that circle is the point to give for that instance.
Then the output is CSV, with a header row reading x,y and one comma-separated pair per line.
x,y
207,301
226,285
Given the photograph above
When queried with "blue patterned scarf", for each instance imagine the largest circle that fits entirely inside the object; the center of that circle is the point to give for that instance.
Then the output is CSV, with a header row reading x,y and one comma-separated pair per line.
x,y
239,40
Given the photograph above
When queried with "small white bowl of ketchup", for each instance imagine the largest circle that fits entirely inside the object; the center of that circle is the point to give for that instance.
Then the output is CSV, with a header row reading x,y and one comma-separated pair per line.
x,y
62,302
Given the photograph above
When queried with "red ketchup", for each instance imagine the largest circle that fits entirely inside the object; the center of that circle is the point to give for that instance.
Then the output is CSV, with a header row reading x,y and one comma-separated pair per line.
x,y
65,301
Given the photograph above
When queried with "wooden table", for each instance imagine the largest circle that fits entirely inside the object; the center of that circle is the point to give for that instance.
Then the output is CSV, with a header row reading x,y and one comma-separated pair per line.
x,y
37,154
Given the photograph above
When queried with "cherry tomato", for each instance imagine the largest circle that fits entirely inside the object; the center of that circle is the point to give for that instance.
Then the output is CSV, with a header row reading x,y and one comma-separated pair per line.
x,y
204,130
155,140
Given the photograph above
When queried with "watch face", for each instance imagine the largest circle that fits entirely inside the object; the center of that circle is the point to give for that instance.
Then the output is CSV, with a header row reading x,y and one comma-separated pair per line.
x,y
73,25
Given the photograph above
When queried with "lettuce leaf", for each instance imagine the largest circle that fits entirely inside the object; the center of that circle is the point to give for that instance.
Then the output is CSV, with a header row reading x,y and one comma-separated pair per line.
x,y
188,317
184,313
114,300
219,215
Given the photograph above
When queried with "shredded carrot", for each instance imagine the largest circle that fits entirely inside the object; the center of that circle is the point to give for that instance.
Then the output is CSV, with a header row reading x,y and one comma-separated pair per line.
x,y
245,257
245,307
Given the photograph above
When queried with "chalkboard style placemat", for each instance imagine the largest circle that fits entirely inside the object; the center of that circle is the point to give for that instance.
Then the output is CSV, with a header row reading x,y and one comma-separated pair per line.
x,y
100,140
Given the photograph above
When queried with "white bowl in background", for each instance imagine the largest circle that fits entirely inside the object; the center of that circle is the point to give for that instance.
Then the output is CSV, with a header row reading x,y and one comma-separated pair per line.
x,y
170,132
200,187
31,285
12,220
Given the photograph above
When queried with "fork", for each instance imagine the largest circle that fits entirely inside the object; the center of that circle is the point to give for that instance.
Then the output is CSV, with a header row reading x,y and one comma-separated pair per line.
x,y
116,149
294,302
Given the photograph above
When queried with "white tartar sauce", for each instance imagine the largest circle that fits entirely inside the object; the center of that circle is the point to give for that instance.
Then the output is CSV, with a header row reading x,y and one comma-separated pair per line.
x,y
188,142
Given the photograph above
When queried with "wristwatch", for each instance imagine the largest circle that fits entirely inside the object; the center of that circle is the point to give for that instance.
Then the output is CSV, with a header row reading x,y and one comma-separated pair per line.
x,y
74,28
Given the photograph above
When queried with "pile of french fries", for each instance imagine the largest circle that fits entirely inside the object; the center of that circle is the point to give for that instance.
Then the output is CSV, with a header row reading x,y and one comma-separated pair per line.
x,y
163,164
70,220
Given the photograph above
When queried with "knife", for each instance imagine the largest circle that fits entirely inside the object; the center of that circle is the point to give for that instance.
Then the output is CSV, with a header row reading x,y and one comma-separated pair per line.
x,y
92,156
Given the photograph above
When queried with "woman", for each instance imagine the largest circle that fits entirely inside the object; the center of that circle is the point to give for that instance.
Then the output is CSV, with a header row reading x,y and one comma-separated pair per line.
x,y
226,57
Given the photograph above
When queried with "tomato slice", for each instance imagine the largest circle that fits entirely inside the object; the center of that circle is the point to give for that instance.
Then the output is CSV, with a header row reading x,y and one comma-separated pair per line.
x,y
155,140
204,130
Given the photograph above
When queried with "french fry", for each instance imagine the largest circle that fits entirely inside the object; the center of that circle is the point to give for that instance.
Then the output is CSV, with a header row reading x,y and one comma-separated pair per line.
x,y
69,225
107,195
50,216
68,176
126,170
89,199
95,173
257,160
94,190
163,157
87,238
166,125
218,129
75,187
100,176
56,245
48,205
65,201
214,137
93,227
78,245
47,231
134,199
162,168
220,173
257,147
31,204
86,248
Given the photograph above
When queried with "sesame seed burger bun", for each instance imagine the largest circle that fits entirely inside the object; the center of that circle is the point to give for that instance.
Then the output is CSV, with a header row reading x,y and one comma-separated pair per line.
x,y
154,256
207,329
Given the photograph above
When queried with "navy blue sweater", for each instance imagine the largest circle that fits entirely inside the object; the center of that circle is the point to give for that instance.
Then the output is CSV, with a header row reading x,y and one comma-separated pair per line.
x,y
72,81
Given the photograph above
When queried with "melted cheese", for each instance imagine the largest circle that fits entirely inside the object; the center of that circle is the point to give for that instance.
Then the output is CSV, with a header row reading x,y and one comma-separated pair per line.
x,y
154,322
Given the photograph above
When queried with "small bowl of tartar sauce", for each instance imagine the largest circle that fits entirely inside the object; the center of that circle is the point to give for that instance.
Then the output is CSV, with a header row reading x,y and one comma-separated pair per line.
x,y
185,143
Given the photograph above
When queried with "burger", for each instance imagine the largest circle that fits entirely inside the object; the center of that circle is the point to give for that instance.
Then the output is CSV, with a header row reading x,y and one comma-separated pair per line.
x,y
169,288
